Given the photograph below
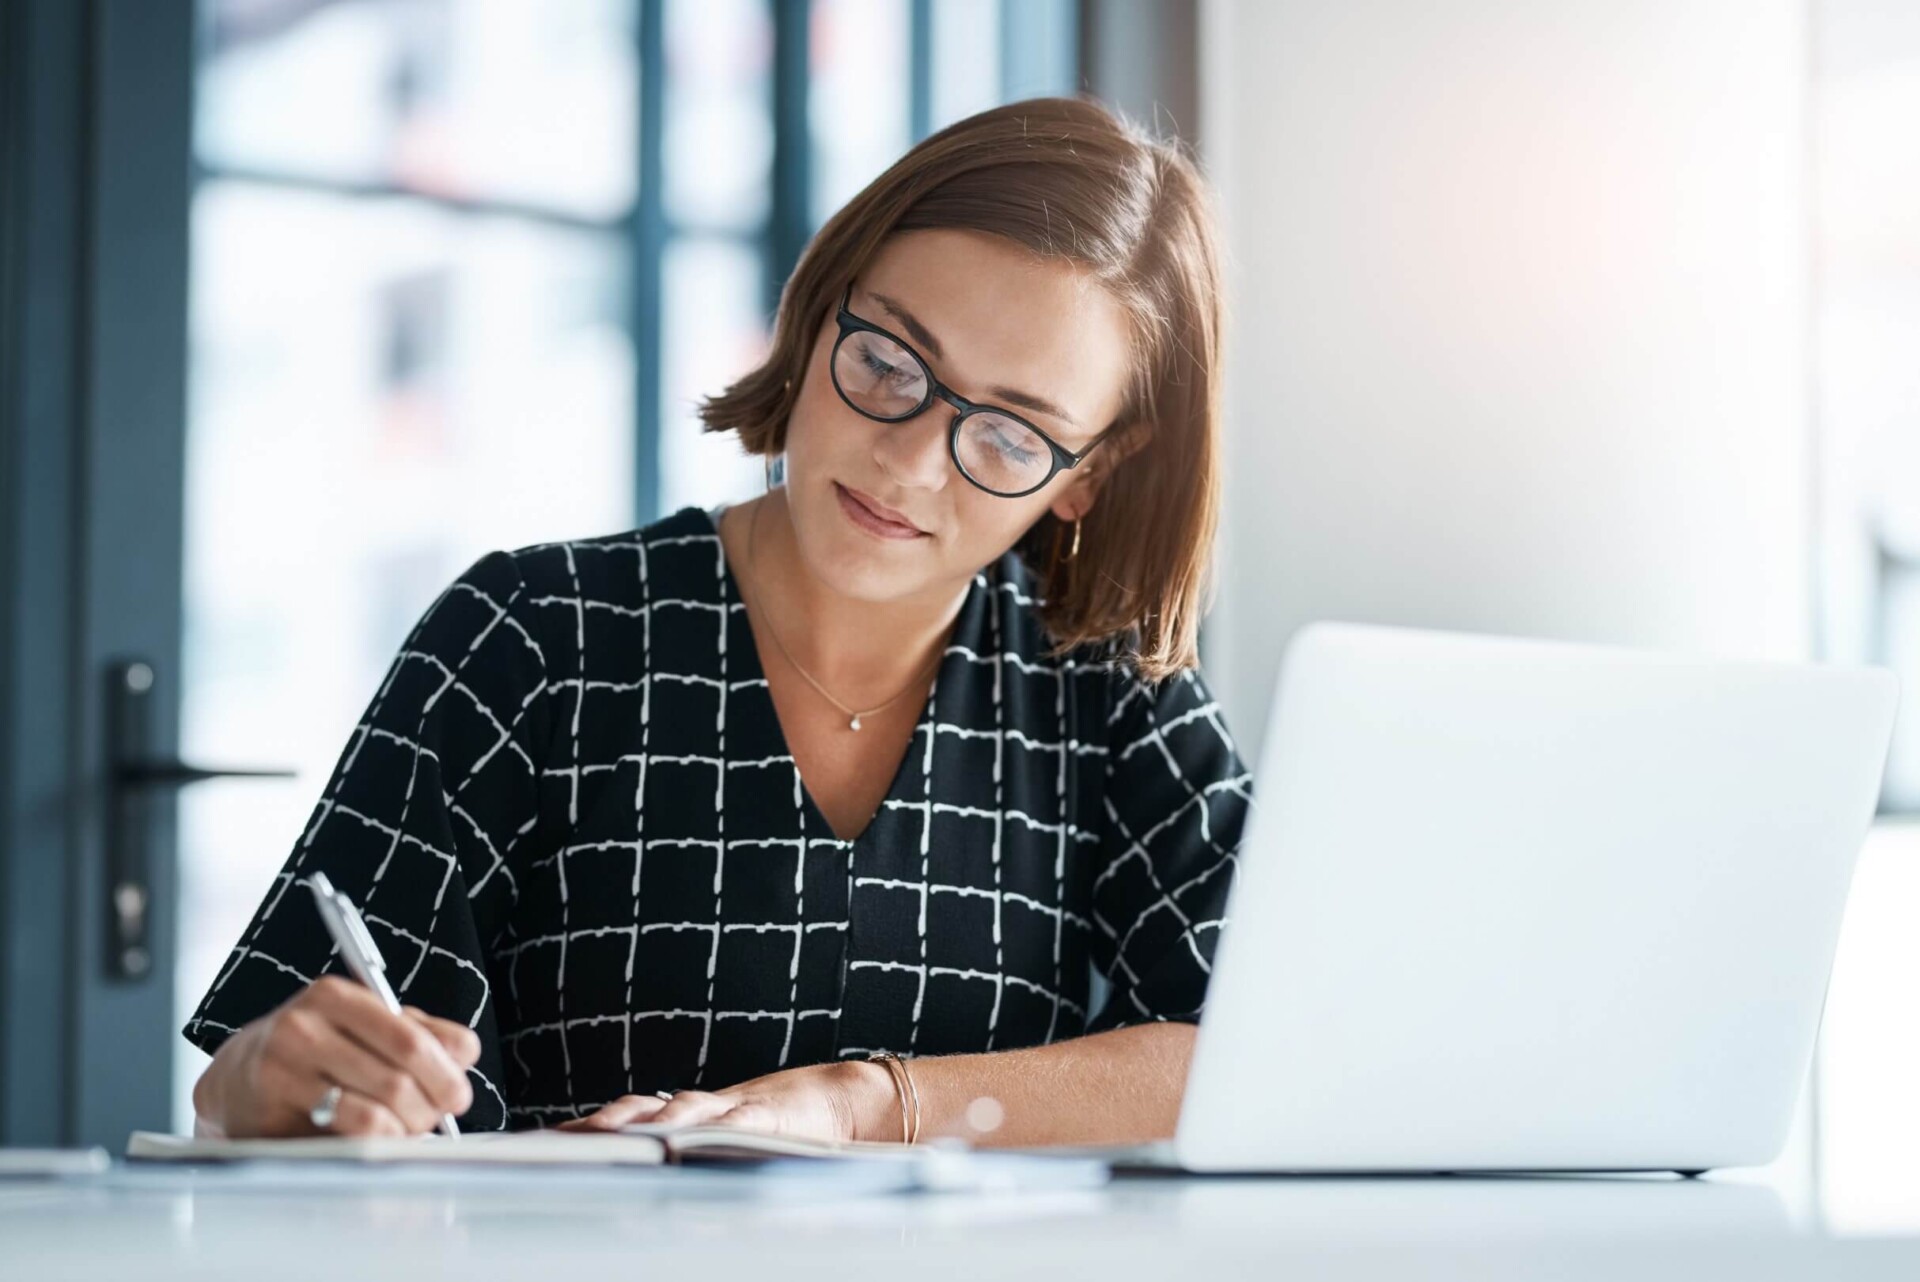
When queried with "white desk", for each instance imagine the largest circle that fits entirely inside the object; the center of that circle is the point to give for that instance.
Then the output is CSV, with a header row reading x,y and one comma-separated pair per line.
x,y
176,1224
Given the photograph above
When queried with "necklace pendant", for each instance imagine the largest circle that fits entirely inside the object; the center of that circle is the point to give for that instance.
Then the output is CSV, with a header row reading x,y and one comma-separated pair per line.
x,y
854,724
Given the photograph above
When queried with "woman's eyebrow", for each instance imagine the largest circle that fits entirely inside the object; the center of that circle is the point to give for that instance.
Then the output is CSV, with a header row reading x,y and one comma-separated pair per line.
x,y
924,336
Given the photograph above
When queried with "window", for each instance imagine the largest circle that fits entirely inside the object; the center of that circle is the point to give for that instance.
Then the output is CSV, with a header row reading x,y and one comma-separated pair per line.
x,y
718,180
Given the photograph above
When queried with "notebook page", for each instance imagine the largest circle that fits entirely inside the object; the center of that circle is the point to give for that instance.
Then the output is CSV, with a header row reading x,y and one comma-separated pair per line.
x,y
481,1147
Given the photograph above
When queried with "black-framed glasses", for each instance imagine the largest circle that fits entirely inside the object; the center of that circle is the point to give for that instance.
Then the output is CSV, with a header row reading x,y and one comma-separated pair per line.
x,y
879,376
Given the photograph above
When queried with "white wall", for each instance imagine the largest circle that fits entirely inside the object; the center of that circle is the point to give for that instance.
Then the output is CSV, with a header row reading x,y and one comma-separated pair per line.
x,y
1519,322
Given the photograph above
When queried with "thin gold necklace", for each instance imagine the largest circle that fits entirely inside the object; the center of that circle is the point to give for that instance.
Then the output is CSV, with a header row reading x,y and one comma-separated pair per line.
x,y
753,524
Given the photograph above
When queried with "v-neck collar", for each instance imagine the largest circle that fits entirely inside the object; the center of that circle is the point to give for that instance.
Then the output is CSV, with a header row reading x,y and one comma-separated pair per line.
x,y
967,626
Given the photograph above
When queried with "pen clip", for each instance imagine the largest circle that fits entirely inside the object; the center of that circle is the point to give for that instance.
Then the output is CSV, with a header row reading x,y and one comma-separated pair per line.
x,y
369,951
355,929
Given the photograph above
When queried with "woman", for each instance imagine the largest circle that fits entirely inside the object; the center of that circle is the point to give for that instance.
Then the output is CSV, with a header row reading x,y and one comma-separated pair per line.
x,y
686,824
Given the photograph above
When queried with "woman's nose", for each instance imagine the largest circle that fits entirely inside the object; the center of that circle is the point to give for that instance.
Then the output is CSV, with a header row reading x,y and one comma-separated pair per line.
x,y
914,452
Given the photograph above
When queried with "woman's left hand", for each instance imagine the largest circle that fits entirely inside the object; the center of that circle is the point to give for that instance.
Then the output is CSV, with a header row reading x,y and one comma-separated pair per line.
x,y
846,1100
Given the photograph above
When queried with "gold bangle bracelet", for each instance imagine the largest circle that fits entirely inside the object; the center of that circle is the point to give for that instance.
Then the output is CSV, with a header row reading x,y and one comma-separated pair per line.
x,y
913,1094
909,1095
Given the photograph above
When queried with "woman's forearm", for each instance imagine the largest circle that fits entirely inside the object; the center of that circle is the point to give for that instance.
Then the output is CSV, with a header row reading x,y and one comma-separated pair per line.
x,y
1117,1087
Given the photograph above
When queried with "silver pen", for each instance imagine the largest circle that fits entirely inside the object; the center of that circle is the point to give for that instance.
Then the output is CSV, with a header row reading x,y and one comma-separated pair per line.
x,y
363,956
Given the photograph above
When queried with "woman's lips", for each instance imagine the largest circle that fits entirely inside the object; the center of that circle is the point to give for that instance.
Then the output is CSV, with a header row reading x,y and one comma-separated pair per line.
x,y
872,522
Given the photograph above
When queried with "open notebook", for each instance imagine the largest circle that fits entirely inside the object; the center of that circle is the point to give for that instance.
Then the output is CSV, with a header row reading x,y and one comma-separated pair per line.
x,y
638,1145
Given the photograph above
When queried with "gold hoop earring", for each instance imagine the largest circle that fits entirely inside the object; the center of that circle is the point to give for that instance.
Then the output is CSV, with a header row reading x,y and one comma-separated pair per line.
x,y
1075,551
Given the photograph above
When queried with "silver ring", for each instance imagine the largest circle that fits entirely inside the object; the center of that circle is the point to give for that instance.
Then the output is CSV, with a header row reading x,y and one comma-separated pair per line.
x,y
665,1095
323,1113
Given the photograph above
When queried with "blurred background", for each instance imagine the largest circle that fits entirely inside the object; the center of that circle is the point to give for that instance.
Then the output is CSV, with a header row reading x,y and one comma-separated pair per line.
x,y
1595,319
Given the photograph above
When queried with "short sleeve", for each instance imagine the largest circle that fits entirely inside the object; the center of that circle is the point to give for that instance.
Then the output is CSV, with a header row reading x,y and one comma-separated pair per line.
x,y
421,823
1176,801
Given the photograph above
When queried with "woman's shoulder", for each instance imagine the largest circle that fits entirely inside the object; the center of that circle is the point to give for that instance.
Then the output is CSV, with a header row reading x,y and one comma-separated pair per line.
x,y
676,555
588,603
1106,670
1098,668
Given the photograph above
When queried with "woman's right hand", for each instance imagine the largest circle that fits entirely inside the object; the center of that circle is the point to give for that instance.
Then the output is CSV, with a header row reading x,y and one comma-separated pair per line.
x,y
397,1073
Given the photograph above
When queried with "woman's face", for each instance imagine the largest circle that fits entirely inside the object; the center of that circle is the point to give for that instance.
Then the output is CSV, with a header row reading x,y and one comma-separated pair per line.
x,y
998,325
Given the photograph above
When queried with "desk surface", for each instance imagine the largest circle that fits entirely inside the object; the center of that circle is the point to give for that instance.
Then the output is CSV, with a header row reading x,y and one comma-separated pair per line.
x,y
566,1226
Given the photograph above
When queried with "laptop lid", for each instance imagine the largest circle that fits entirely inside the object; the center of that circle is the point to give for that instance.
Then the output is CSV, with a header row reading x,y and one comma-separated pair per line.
x,y
1521,905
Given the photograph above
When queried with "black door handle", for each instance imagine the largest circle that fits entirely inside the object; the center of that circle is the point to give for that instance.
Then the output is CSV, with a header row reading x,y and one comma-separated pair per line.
x,y
178,774
132,779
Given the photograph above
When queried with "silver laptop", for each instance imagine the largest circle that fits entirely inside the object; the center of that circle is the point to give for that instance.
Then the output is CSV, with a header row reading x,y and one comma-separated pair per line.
x,y
1529,906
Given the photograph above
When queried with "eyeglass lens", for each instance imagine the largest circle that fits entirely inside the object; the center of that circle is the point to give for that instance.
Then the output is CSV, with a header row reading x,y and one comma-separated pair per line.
x,y
881,378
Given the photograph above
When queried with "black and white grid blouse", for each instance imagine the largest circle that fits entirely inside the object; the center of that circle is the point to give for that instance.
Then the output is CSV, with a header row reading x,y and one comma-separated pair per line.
x,y
571,821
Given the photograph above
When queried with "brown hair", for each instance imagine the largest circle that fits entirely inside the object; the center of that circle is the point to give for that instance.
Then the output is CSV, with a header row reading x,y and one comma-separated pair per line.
x,y
1069,179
